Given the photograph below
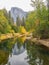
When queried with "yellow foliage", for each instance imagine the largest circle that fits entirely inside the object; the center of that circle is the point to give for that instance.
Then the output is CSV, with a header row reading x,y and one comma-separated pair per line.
x,y
32,30
23,39
37,22
12,31
22,29
4,23
2,37
2,16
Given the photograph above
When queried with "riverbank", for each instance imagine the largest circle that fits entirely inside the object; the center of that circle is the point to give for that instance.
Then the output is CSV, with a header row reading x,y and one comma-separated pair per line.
x,y
12,35
44,42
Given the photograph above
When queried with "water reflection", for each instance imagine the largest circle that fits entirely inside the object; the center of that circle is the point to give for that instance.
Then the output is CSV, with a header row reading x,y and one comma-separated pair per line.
x,y
3,57
18,59
18,49
5,50
18,52
37,55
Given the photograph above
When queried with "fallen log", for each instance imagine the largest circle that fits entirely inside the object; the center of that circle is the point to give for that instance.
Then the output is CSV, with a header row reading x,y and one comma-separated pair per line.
x,y
39,41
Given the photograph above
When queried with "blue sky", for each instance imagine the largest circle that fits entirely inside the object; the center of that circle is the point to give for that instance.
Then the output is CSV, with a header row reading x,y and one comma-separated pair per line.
x,y
23,4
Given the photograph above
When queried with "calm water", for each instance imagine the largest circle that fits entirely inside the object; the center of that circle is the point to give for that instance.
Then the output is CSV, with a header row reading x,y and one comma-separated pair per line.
x,y
23,52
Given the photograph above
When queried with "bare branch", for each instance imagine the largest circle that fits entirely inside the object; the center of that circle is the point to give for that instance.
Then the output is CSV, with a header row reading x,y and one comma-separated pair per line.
x,y
33,1
32,5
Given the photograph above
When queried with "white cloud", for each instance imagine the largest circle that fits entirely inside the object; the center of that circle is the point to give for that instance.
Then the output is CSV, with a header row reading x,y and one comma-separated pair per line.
x,y
23,4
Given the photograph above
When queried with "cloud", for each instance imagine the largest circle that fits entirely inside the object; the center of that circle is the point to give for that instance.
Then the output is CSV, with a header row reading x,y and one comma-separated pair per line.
x,y
23,4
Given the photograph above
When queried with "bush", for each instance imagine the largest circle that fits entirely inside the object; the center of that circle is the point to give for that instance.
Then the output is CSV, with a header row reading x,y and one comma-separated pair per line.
x,y
42,30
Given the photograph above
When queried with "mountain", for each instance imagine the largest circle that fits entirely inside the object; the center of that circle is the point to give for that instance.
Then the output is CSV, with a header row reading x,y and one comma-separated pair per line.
x,y
15,12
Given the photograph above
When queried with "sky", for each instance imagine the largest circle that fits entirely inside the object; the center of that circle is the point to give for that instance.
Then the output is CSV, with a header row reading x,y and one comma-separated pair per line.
x,y
23,4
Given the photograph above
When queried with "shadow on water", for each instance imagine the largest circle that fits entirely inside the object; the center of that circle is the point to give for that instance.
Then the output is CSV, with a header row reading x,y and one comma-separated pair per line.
x,y
23,52
37,55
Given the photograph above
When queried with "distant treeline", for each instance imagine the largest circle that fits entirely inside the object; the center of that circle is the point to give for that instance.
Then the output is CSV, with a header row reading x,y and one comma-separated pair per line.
x,y
7,24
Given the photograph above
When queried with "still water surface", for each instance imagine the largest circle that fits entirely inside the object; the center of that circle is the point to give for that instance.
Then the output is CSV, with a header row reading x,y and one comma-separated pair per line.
x,y
23,52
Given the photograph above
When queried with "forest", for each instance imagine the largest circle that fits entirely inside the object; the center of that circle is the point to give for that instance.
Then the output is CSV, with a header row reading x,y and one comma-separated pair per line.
x,y
36,22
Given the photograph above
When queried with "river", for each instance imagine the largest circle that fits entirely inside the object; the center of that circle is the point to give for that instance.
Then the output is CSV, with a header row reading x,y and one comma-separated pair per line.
x,y
22,52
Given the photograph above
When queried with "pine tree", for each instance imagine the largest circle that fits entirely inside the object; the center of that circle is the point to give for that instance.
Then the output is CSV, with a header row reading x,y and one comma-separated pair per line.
x,y
18,21
48,8
23,21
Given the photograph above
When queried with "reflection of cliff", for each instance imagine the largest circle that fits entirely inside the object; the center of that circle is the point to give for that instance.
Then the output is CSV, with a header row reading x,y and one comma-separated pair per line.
x,y
18,49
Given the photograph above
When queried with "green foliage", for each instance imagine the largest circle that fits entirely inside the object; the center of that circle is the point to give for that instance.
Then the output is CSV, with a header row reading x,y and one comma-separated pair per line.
x,y
43,30
4,25
15,28
7,24
3,57
36,52
29,24
38,20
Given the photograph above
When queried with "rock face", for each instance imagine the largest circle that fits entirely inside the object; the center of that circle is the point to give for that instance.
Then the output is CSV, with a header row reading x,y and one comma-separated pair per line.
x,y
15,12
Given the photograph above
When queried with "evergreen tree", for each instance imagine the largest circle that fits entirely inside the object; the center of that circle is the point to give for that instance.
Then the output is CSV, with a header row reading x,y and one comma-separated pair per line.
x,y
18,21
48,8
23,21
